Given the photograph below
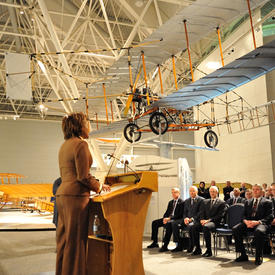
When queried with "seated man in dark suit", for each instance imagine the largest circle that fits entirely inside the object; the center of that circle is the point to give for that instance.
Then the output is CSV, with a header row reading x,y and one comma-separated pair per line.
x,y
211,213
190,218
227,190
173,214
236,199
273,202
258,215
56,184
243,190
248,194
212,183
268,193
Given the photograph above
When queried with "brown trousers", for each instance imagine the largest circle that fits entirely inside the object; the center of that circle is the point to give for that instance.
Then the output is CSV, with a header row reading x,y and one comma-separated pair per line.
x,y
71,235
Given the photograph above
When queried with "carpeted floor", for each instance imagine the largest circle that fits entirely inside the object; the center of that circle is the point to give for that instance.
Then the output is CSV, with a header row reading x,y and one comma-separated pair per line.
x,y
33,253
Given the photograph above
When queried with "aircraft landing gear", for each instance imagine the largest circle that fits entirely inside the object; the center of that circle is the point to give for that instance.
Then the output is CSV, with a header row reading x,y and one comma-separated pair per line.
x,y
158,123
131,133
211,139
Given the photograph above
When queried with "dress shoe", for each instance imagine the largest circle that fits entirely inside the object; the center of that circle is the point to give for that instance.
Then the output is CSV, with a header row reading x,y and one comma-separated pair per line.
x,y
163,249
190,250
258,260
153,245
208,253
177,249
242,258
196,252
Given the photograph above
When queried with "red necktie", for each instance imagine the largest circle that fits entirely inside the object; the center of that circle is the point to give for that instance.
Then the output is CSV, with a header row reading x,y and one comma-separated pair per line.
x,y
254,208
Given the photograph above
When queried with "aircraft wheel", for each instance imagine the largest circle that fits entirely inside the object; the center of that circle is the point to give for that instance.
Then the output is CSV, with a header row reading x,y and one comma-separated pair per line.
x,y
158,123
211,139
131,133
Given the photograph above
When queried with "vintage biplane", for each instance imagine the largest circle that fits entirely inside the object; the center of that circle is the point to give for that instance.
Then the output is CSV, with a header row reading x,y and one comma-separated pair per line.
x,y
27,197
174,113
149,113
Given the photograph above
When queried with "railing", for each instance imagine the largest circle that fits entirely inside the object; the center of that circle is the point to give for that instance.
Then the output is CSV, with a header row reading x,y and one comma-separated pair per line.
x,y
7,177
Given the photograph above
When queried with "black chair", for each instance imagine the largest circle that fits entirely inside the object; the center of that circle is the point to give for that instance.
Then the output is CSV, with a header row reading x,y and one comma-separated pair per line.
x,y
182,232
272,238
269,239
234,215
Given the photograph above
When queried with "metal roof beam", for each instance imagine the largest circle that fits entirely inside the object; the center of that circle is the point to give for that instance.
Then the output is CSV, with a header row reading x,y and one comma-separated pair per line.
x,y
108,24
129,10
134,30
13,18
58,46
158,12
74,22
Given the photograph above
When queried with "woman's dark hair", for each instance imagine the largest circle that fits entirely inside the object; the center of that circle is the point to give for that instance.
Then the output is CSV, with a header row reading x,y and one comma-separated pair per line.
x,y
72,125
202,182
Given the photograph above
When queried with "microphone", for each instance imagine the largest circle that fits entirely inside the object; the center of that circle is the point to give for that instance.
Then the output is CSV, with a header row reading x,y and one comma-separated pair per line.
x,y
125,163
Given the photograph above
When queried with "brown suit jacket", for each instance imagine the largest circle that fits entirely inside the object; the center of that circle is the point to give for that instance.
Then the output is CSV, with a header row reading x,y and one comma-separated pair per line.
x,y
75,161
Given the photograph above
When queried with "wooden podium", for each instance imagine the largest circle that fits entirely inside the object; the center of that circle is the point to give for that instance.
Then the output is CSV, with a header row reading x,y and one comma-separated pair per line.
x,y
117,249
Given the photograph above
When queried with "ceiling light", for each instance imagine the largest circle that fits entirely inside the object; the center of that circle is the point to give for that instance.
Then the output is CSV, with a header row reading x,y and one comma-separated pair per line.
x,y
41,107
100,55
213,65
139,3
21,12
42,66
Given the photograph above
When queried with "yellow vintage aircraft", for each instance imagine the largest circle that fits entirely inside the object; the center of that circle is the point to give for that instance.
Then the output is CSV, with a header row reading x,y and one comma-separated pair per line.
x,y
172,113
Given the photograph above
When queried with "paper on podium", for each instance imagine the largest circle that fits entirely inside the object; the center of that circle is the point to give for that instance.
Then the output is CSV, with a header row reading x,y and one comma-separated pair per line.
x,y
113,189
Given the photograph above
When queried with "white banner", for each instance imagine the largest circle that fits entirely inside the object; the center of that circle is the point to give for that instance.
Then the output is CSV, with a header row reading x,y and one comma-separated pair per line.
x,y
185,178
18,76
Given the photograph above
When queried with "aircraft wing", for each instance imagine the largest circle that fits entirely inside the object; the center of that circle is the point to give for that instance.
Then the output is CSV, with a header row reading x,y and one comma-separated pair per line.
x,y
190,146
115,127
237,73
203,17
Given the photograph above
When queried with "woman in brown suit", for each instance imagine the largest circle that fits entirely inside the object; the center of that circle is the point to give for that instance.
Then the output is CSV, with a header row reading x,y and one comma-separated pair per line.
x,y
72,197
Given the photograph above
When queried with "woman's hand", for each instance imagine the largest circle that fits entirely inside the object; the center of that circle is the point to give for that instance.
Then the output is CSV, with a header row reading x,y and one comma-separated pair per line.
x,y
106,188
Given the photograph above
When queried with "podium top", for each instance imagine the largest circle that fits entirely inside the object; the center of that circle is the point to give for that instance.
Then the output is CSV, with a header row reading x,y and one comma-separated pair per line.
x,y
122,183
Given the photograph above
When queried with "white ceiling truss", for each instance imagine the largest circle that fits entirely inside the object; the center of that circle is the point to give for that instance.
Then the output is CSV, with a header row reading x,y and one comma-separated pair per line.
x,y
38,26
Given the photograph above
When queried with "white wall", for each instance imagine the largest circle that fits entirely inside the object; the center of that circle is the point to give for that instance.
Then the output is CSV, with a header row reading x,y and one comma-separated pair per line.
x,y
270,81
244,156
30,148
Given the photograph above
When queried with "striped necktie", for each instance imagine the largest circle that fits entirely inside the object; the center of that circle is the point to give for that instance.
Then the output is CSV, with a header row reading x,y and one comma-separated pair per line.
x,y
254,208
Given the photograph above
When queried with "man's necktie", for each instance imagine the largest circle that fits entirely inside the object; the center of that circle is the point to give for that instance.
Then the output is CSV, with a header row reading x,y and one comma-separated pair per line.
x,y
192,201
212,203
254,208
235,201
174,206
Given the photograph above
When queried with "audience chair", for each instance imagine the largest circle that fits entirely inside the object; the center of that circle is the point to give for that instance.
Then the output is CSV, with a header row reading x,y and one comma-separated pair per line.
x,y
234,215
272,239
249,241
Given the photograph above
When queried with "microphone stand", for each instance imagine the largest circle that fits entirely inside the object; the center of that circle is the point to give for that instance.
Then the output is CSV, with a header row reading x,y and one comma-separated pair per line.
x,y
111,165
126,163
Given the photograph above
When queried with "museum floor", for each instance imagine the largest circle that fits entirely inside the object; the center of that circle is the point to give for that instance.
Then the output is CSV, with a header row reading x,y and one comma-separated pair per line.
x,y
33,253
